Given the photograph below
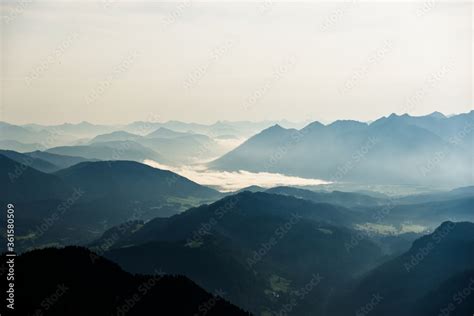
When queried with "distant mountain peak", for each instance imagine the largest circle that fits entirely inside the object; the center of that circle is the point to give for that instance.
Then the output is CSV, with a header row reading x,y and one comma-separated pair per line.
x,y
165,132
445,224
437,115
273,129
345,123
447,232
276,126
395,115
313,125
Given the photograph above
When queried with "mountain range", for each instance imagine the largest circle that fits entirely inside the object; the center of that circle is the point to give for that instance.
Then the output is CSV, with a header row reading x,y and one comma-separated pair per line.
x,y
30,137
261,247
94,224
78,203
264,248
391,150
425,272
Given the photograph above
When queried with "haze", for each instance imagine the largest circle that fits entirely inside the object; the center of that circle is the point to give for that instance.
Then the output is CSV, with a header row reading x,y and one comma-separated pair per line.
x,y
115,62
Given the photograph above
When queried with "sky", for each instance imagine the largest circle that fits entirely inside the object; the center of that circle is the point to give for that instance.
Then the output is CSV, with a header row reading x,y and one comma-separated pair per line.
x,y
114,62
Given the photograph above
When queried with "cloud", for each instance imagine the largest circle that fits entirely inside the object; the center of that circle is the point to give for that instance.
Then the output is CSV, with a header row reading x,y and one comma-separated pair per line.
x,y
231,181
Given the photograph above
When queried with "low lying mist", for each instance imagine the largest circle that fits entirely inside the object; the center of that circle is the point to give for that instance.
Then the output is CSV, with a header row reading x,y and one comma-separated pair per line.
x,y
225,181
388,229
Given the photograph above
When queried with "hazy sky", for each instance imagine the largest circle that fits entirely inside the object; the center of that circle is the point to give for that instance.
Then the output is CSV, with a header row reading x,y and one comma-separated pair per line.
x,y
115,62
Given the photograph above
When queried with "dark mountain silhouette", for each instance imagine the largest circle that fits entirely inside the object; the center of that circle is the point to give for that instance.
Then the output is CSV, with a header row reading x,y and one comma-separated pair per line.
x,y
278,251
251,188
74,281
112,235
404,282
217,245
19,182
43,161
131,180
113,192
34,162
453,297
213,264
239,208
77,204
